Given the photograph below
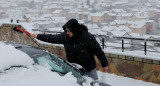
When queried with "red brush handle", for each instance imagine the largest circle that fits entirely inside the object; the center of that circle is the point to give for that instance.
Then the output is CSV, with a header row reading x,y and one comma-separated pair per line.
x,y
23,31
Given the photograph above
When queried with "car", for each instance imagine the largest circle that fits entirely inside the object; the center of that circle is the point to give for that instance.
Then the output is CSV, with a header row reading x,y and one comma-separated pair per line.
x,y
56,63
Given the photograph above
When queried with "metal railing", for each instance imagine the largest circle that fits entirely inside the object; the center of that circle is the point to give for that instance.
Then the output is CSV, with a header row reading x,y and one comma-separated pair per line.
x,y
141,47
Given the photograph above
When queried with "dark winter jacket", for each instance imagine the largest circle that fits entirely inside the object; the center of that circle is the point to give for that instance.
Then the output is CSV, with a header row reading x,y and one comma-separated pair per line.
x,y
80,49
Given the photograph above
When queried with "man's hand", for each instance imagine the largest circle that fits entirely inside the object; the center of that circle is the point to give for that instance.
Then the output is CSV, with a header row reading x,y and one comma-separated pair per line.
x,y
34,35
105,69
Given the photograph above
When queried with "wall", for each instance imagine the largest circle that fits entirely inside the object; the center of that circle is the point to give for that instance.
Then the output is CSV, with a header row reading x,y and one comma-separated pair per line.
x,y
135,67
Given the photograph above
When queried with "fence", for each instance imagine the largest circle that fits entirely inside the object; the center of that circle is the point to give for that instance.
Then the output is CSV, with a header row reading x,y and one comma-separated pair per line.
x,y
150,47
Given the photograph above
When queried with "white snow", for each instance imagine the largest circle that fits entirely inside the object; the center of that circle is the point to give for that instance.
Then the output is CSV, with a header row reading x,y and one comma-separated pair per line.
x,y
118,44
137,53
9,56
115,80
36,75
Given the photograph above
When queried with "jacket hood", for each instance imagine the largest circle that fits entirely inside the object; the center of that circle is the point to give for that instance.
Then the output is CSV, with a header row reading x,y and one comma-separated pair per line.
x,y
77,29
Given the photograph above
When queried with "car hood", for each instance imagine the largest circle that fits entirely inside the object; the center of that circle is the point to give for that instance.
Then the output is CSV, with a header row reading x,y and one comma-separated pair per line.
x,y
10,56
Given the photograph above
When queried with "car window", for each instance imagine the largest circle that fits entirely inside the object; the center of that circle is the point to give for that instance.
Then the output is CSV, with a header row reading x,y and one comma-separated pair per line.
x,y
46,59
59,65
68,67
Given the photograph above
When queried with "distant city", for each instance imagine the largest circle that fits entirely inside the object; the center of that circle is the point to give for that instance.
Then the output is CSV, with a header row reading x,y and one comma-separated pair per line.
x,y
120,18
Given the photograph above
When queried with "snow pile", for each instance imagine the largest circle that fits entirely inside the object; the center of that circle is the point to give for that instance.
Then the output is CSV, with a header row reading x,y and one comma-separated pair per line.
x,y
115,80
9,56
35,76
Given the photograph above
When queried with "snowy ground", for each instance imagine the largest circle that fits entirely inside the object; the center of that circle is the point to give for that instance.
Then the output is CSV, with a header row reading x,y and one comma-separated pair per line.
x,y
36,75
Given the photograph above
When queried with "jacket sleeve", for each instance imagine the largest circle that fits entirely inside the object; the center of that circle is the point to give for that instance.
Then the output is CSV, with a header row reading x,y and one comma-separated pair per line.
x,y
98,51
58,39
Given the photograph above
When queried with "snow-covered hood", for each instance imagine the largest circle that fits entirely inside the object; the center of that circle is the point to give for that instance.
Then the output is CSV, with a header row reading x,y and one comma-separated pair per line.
x,y
33,75
10,56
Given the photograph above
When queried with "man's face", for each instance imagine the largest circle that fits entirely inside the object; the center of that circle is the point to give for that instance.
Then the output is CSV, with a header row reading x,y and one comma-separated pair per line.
x,y
69,33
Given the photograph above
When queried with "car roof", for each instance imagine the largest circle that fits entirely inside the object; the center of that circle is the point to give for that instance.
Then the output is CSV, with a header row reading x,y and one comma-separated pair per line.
x,y
28,49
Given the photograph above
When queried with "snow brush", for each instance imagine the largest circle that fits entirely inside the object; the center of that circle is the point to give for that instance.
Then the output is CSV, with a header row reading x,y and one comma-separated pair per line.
x,y
21,30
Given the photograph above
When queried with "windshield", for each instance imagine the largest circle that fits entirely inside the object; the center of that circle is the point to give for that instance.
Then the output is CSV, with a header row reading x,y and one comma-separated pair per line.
x,y
47,60
59,65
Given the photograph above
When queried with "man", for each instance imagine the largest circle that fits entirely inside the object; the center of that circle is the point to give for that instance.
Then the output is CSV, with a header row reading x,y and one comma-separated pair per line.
x,y
80,46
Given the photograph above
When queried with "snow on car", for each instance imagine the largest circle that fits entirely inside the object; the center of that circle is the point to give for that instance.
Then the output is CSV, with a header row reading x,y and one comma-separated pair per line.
x,y
19,69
